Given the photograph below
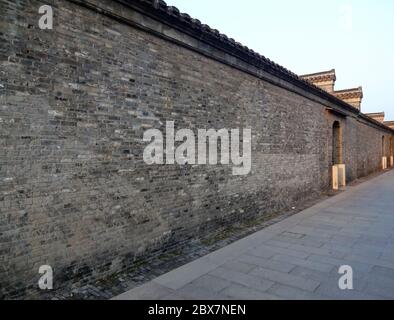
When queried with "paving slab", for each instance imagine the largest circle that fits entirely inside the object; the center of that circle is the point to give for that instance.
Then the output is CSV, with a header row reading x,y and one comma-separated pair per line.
x,y
299,257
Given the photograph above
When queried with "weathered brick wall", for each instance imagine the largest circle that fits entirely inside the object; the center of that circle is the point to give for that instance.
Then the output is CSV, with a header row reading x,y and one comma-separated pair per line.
x,y
75,101
363,149
368,150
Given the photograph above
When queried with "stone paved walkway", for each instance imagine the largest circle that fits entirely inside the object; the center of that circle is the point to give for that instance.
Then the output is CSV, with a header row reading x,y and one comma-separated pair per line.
x,y
299,257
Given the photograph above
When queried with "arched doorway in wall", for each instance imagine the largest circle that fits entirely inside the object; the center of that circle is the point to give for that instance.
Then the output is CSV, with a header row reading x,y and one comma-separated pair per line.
x,y
337,169
337,152
383,147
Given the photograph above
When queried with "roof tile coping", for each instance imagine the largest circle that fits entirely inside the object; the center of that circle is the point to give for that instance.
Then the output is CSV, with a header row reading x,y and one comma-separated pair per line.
x,y
170,15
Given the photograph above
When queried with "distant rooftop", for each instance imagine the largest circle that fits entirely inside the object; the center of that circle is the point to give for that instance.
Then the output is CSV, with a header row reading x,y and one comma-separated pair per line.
x,y
350,93
378,116
320,76
326,81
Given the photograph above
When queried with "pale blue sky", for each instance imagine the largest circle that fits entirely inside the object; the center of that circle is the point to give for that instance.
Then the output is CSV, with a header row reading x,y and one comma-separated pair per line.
x,y
355,37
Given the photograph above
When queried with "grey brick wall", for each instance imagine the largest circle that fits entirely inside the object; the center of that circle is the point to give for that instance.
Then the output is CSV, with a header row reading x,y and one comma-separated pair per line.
x,y
74,103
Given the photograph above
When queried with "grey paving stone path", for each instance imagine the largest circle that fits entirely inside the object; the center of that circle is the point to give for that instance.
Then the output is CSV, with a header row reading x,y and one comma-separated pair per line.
x,y
299,257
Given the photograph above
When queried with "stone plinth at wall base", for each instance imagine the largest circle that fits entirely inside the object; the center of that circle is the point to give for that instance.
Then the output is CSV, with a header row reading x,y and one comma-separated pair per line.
x,y
392,161
384,163
338,176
